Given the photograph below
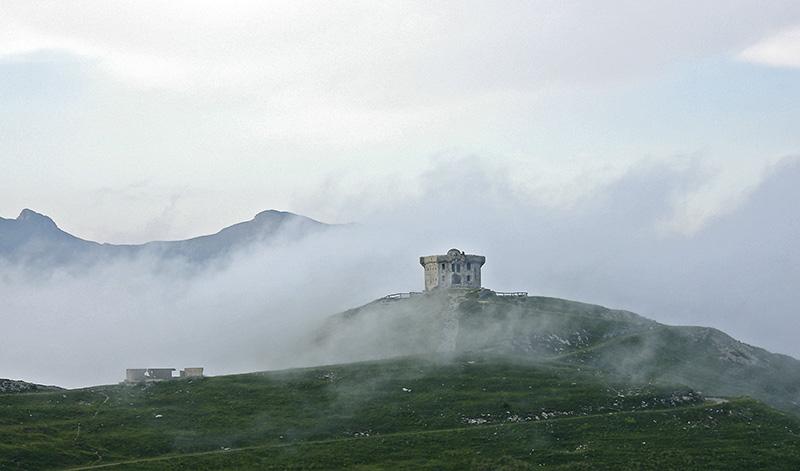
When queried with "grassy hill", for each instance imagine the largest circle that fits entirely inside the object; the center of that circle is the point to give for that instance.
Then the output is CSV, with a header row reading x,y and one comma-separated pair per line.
x,y
474,381
468,411
621,344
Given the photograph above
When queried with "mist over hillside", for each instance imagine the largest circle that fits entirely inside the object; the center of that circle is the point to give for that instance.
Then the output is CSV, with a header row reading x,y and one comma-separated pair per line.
x,y
737,272
626,347
400,235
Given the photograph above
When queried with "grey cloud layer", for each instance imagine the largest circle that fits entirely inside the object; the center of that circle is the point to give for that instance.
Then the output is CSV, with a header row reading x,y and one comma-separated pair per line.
x,y
739,273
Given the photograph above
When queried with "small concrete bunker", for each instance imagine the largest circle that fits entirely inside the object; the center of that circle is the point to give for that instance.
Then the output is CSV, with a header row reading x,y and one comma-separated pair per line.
x,y
191,373
456,269
142,375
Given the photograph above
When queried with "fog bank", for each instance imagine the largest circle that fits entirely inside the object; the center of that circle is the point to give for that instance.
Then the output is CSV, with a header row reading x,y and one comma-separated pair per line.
x,y
739,273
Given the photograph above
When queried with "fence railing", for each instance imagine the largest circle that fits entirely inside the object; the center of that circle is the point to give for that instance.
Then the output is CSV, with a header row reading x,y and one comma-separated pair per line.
x,y
505,294
402,295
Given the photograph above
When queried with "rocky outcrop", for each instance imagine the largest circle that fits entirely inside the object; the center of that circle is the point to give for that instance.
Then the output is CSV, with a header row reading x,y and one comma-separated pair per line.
x,y
8,386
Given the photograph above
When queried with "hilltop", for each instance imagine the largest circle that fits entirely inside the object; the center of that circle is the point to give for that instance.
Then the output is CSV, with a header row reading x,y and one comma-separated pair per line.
x,y
621,344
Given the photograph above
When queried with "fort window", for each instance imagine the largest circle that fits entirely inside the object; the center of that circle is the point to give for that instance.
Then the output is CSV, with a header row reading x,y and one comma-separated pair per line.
x,y
469,278
443,266
469,266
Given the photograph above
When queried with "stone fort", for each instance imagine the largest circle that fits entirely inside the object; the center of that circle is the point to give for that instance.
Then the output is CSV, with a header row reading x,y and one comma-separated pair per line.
x,y
454,270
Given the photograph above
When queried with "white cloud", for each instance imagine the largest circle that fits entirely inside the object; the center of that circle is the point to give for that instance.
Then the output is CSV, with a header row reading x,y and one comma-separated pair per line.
x,y
260,100
335,109
253,313
137,68
779,50
379,51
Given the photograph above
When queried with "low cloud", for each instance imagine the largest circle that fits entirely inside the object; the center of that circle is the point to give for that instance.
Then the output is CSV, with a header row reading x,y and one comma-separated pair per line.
x,y
79,326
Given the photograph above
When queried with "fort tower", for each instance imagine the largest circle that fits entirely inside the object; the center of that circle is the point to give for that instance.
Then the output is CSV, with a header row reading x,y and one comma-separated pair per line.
x,y
454,270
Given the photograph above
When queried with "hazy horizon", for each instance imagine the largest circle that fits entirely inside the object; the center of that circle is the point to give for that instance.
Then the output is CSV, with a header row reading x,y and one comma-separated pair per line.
x,y
250,312
642,156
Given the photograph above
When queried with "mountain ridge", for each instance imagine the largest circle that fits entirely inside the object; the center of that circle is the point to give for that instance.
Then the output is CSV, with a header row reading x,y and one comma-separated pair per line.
x,y
34,238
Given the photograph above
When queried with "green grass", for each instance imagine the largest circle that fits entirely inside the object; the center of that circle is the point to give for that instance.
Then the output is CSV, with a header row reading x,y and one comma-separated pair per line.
x,y
469,412
686,438
621,344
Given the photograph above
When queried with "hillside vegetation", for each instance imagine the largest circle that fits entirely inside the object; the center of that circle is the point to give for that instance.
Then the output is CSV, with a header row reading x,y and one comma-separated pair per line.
x,y
438,412
476,382
621,344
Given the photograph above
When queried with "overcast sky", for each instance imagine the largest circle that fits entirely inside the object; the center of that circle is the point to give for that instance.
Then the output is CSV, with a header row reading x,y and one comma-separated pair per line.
x,y
641,155
132,121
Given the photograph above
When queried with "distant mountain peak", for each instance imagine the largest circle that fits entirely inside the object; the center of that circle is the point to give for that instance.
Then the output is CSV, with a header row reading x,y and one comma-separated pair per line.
x,y
34,238
272,213
28,216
